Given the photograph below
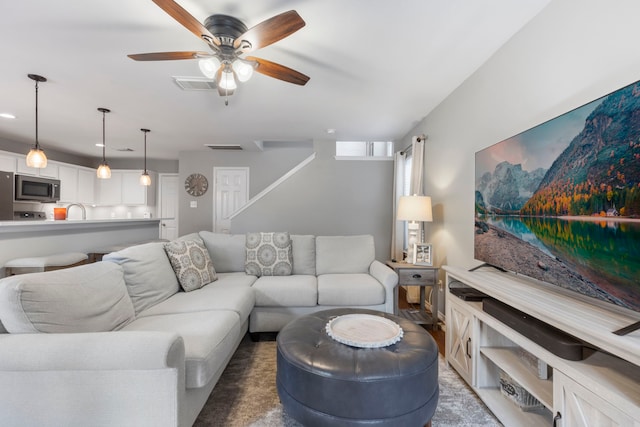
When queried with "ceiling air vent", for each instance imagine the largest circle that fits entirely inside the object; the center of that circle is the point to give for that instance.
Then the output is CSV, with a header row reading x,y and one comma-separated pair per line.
x,y
224,147
195,83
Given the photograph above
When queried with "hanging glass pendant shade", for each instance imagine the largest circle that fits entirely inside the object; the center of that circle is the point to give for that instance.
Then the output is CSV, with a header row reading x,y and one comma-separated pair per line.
x,y
36,157
145,179
104,171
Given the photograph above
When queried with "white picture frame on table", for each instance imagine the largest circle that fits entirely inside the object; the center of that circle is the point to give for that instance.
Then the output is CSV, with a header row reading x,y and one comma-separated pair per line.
x,y
422,254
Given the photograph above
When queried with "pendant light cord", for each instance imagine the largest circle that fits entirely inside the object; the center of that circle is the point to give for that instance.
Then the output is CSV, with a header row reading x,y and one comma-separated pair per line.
x,y
104,159
37,143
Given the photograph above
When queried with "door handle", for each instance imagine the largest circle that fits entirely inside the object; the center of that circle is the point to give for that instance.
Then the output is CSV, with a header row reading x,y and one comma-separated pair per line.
x,y
467,349
557,418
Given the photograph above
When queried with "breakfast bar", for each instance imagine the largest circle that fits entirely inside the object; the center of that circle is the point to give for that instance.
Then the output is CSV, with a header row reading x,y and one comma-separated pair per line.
x,y
41,238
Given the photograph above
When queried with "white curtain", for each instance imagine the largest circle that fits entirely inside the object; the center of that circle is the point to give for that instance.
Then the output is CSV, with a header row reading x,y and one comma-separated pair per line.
x,y
417,173
417,165
397,228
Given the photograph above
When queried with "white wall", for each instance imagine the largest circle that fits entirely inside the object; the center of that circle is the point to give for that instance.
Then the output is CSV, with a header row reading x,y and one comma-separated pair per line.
x,y
573,52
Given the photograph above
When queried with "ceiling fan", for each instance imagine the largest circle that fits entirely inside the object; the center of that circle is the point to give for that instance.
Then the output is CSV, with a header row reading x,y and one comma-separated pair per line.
x,y
230,39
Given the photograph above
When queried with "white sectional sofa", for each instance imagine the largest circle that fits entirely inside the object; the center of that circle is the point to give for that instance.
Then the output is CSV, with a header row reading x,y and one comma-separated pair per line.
x,y
119,343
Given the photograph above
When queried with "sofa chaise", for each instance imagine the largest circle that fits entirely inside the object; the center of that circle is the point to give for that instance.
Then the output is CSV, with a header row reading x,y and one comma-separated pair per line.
x,y
139,339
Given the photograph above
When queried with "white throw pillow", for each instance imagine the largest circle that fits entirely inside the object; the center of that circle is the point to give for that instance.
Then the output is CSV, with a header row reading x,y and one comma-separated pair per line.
x,y
191,262
269,254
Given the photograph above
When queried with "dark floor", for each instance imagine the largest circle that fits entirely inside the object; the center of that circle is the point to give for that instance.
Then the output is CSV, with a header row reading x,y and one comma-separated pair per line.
x,y
438,334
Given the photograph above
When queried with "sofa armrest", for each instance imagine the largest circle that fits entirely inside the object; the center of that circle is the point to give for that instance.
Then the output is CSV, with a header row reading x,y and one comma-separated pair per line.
x,y
389,279
104,378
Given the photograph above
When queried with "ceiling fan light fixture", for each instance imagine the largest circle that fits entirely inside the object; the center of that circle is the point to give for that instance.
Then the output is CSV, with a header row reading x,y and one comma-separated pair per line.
x,y
243,69
227,81
209,66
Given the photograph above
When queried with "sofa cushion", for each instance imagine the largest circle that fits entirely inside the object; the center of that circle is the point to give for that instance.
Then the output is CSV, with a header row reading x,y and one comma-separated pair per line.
x,y
240,299
191,262
286,291
303,248
88,298
209,338
344,254
268,254
227,251
147,273
349,289
235,279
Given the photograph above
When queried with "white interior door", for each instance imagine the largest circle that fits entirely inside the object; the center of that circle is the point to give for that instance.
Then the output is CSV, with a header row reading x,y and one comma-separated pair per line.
x,y
168,206
232,192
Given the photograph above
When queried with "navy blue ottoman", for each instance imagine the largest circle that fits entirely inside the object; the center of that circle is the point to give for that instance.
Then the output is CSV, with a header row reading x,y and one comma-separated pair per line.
x,y
322,382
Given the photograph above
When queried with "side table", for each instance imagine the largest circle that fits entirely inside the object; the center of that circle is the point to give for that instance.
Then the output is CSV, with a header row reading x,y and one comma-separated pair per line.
x,y
417,275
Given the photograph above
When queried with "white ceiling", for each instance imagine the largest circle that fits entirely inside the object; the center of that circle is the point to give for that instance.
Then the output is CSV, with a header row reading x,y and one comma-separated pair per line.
x,y
377,68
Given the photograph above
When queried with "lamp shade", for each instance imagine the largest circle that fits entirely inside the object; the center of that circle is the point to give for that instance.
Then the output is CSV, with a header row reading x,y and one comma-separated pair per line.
x,y
414,208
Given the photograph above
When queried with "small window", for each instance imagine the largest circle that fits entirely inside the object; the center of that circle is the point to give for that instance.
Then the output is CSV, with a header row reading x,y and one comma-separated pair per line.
x,y
364,150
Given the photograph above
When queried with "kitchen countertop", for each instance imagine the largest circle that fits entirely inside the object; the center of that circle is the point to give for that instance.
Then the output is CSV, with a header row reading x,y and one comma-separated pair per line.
x,y
49,224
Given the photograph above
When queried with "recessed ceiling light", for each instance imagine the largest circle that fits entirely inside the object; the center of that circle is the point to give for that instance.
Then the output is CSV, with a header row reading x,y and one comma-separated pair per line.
x,y
7,116
99,144
331,131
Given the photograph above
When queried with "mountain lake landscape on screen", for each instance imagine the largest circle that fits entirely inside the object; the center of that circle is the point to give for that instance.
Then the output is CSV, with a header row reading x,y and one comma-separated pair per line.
x,y
561,202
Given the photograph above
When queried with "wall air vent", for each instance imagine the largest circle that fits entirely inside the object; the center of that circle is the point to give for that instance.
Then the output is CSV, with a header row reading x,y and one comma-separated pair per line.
x,y
230,147
125,149
195,83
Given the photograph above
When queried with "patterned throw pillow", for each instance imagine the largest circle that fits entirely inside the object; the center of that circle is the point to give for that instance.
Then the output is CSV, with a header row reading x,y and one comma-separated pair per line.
x,y
269,254
191,262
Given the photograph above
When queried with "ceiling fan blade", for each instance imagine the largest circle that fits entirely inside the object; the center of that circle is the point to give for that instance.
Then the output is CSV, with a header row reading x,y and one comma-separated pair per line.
x,y
168,56
188,21
270,31
278,71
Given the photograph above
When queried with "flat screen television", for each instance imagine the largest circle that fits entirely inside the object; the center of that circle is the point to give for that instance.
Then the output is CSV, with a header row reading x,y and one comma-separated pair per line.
x,y
561,202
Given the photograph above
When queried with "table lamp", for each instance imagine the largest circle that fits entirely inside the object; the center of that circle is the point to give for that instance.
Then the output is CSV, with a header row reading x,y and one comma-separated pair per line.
x,y
414,209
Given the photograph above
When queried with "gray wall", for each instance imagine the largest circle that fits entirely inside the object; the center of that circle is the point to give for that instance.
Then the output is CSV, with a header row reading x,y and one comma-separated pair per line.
x,y
328,197
264,168
573,52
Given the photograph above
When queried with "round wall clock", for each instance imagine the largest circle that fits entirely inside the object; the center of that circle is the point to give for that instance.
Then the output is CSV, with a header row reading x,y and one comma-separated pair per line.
x,y
196,184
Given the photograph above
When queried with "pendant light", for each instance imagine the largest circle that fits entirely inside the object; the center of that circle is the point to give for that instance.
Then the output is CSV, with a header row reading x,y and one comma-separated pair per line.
x,y
145,179
104,171
36,157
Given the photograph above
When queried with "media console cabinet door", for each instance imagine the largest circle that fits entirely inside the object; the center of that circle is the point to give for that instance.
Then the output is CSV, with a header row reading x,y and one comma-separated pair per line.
x,y
575,403
459,340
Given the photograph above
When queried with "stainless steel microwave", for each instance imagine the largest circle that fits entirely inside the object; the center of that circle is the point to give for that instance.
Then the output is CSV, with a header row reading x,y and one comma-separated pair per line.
x,y
37,189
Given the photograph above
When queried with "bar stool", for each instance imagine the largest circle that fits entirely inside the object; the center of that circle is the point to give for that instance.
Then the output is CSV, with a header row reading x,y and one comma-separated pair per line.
x,y
44,263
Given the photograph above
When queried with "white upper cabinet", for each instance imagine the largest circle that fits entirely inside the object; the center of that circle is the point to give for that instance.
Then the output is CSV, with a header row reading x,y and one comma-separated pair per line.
x,y
51,171
87,186
77,184
8,163
123,188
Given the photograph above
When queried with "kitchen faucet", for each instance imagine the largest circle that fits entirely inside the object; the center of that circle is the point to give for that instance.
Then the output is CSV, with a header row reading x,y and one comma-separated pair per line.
x,y
84,211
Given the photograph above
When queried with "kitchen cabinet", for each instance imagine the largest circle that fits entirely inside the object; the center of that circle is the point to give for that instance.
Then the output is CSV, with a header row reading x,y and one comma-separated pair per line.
x,y
51,171
8,163
77,184
123,188
87,186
